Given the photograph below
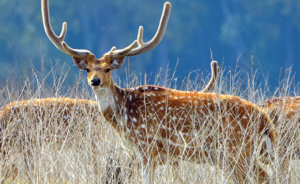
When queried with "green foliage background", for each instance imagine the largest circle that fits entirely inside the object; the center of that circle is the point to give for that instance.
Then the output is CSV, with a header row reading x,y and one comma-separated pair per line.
x,y
268,30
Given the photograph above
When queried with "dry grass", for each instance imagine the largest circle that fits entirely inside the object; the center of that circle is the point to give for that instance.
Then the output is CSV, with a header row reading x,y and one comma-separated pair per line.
x,y
42,146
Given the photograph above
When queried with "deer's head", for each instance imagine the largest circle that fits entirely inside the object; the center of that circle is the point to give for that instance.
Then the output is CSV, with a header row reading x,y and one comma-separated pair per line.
x,y
99,70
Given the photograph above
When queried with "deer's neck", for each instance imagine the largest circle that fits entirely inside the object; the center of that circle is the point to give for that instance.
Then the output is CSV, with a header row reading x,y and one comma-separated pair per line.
x,y
111,102
110,99
105,99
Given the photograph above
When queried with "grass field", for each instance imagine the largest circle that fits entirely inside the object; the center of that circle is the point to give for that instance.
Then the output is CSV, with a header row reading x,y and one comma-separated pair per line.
x,y
41,144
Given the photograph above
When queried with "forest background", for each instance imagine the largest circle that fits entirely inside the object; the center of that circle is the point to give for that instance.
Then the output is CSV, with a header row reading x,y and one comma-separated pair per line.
x,y
263,34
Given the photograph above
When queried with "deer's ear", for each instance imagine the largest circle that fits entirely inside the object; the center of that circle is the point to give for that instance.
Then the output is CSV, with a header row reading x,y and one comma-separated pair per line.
x,y
117,63
80,63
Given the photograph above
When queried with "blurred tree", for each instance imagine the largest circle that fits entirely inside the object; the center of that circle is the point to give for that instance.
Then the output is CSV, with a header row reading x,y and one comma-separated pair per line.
x,y
268,30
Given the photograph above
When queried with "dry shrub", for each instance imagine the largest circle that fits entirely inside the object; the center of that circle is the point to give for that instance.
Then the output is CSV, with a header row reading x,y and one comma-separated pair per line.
x,y
66,143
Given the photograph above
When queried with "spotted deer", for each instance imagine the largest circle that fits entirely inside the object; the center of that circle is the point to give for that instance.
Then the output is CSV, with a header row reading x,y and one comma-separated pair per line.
x,y
284,111
65,112
160,123
27,124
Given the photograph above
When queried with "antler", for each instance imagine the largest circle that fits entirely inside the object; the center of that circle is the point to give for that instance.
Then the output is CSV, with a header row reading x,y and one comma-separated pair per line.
x,y
144,47
59,42
215,70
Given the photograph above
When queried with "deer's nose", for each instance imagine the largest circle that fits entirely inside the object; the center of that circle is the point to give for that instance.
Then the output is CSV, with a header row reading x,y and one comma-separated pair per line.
x,y
95,82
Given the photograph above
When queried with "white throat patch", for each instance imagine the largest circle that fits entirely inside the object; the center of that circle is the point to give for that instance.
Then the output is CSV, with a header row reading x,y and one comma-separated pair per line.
x,y
104,98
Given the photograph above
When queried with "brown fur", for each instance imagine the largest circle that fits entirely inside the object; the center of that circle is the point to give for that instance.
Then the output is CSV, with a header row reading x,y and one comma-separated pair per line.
x,y
159,121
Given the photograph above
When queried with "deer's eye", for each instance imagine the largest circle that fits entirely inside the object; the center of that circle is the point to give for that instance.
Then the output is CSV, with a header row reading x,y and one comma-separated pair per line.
x,y
87,70
107,70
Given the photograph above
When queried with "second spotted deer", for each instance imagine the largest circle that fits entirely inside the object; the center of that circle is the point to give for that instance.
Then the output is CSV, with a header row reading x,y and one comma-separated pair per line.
x,y
284,112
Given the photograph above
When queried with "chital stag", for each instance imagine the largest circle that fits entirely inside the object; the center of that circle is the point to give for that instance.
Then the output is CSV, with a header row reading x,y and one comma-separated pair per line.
x,y
160,123
68,114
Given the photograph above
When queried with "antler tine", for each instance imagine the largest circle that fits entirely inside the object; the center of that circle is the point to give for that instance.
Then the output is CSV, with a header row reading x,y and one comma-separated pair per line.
x,y
122,52
59,40
144,47
80,53
215,70
56,40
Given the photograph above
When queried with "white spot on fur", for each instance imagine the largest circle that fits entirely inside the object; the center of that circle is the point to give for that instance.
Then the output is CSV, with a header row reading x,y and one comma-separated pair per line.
x,y
134,120
121,123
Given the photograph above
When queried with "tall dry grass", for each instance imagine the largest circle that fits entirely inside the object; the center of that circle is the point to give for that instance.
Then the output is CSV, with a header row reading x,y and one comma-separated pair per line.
x,y
83,148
